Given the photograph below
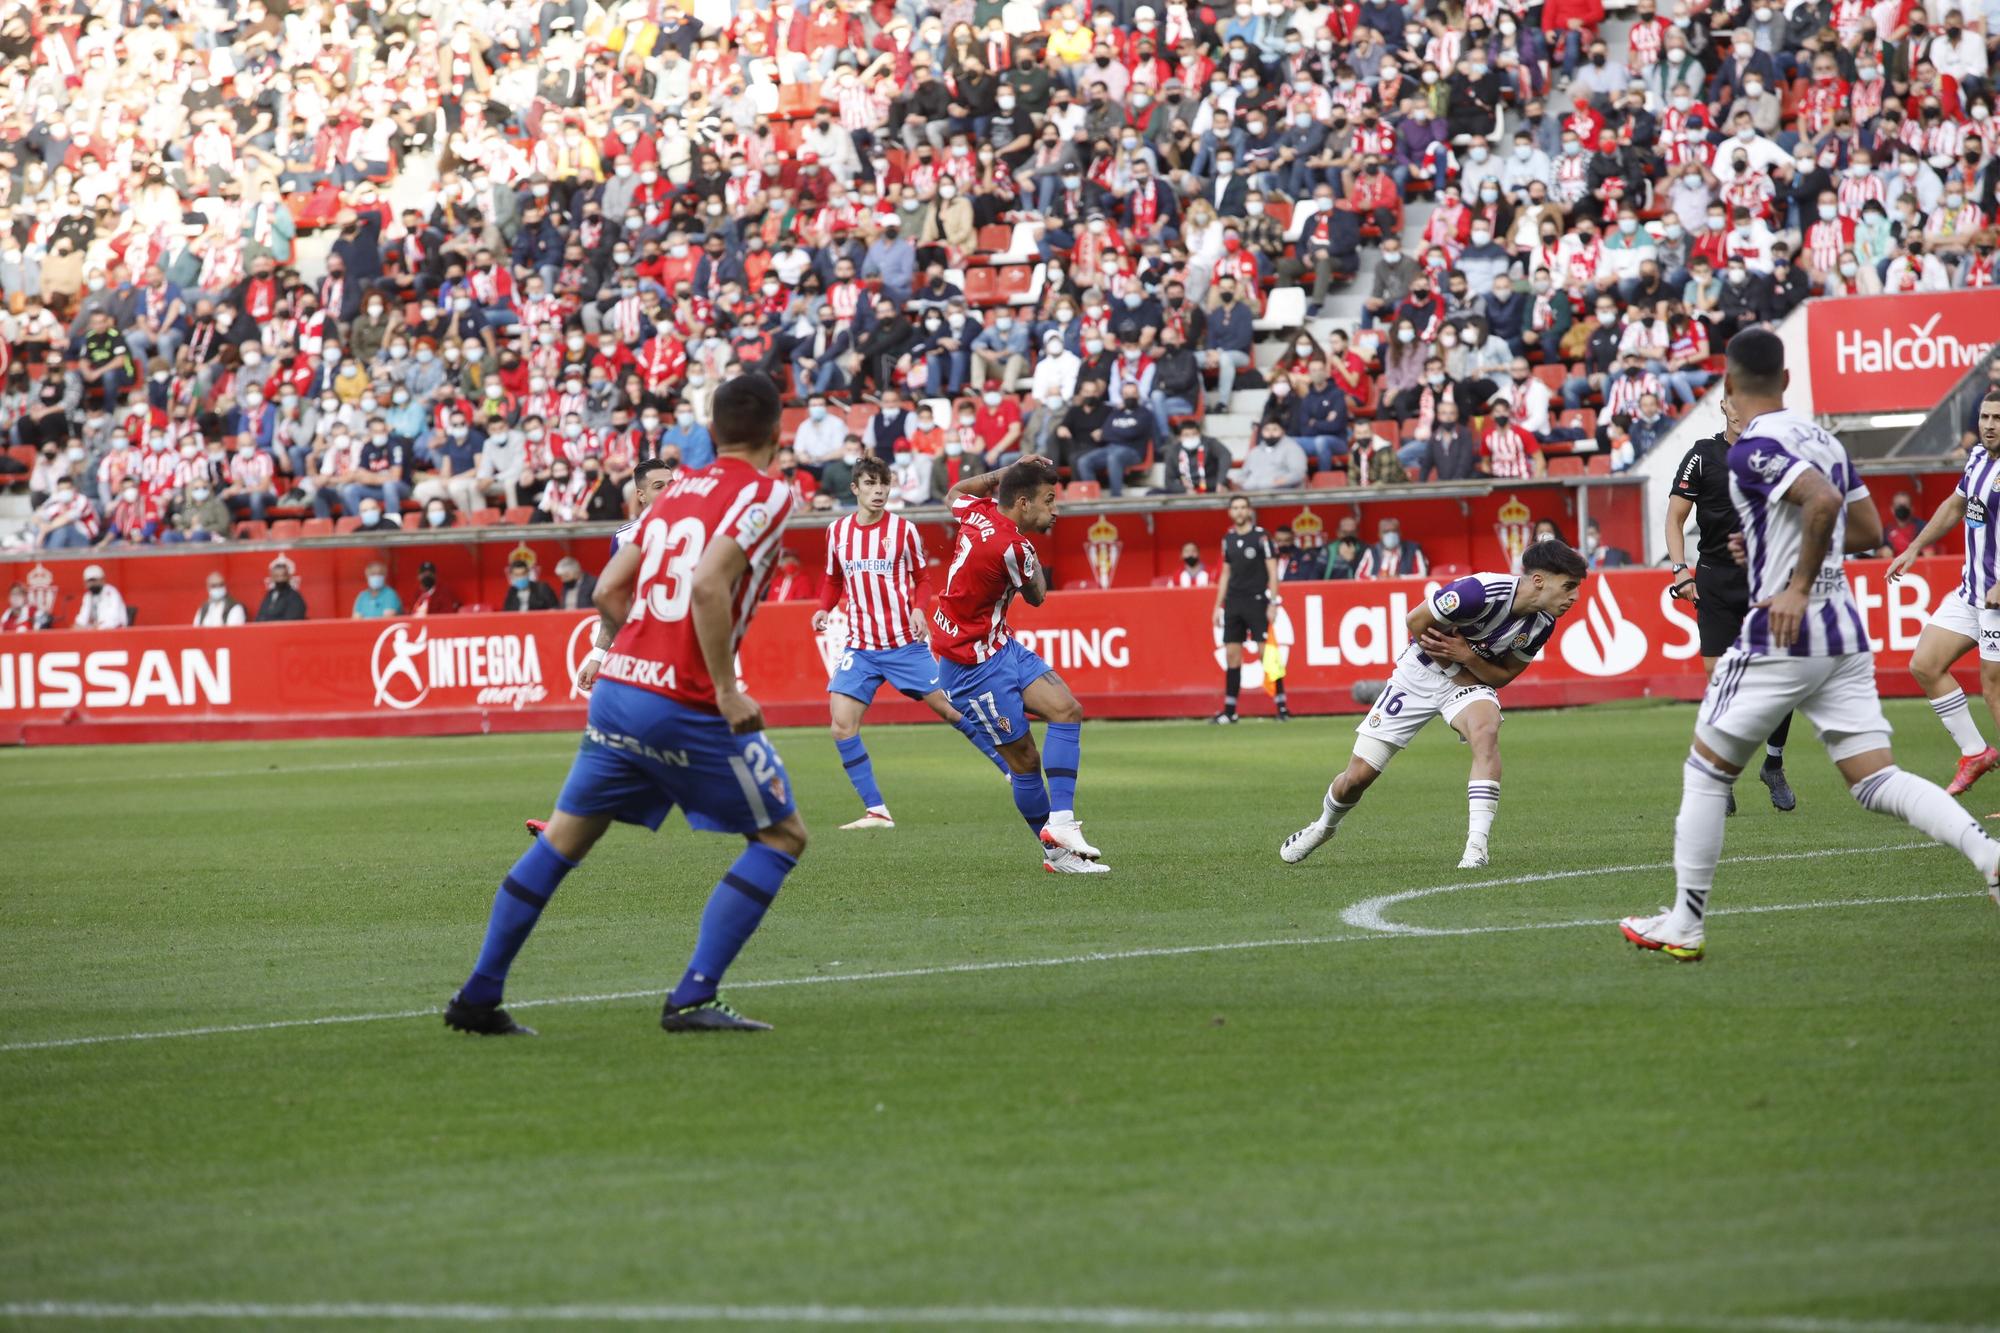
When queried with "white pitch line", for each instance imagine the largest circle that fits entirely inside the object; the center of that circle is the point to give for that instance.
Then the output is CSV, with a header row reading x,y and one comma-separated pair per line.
x,y
945,1316
1385,931
1367,914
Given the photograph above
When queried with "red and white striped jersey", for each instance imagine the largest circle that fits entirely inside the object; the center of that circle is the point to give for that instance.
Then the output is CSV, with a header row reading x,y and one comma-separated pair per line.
x,y
658,649
1855,191
880,567
253,471
993,561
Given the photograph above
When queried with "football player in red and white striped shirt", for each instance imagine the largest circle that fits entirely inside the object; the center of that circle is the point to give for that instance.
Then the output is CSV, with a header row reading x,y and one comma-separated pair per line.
x,y
876,572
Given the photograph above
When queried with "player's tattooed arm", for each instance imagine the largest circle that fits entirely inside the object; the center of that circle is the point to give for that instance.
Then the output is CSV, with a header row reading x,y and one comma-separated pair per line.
x,y
613,600
978,487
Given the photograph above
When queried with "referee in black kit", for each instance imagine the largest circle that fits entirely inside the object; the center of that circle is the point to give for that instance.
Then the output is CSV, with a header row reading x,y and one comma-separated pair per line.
x,y
1244,596
1717,585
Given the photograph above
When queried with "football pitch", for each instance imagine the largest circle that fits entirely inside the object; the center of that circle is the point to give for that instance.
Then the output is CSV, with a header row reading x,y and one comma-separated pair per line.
x,y
1207,1090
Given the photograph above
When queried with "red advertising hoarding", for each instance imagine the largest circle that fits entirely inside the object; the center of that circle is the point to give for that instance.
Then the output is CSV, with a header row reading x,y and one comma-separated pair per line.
x,y
1896,353
1148,652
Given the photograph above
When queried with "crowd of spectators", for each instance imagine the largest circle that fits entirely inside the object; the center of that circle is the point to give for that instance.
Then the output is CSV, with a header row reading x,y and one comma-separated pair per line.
x,y
471,258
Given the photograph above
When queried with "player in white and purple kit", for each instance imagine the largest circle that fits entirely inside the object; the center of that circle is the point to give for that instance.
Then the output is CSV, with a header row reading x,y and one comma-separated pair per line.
x,y
1968,617
1803,646
877,570
1468,639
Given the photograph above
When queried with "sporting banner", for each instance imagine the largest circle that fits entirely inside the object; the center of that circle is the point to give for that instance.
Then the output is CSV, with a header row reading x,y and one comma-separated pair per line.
x,y
1896,353
1139,652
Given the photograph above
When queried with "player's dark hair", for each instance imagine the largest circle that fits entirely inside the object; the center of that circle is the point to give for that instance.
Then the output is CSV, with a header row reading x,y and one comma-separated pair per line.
x,y
1992,395
647,468
871,468
745,412
1025,478
1757,361
1553,556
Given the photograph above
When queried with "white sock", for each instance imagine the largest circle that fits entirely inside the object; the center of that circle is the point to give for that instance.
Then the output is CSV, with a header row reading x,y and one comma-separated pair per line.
x,y
1331,811
1698,838
1482,802
1774,754
1956,714
1925,807
1062,816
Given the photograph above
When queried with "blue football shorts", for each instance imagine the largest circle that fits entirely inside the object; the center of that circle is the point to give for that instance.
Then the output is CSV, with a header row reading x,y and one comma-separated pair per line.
x,y
643,754
990,693
861,671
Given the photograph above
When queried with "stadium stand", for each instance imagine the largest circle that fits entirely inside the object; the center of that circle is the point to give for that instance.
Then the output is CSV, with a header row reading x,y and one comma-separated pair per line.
x,y
494,254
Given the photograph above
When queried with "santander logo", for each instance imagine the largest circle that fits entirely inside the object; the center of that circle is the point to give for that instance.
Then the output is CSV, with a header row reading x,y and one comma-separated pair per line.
x,y
1603,642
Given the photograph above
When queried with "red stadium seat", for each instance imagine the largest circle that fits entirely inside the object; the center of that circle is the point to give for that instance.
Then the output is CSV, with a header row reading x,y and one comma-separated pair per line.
x,y
1328,481
1449,571
518,516
1553,376
859,415
789,421
798,99
1599,465
1082,490
341,527
482,518
1565,465
251,530
1014,280
982,286
1387,430
995,239
320,527
285,530
1583,419
1279,211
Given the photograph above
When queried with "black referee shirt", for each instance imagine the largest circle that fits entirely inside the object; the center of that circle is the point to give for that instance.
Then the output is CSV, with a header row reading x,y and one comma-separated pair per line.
x,y
1243,555
1704,478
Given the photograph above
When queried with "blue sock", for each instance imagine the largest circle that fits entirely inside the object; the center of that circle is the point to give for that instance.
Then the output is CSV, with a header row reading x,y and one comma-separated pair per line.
x,y
1062,750
1031,798
516,908
860,771
730,919
975,733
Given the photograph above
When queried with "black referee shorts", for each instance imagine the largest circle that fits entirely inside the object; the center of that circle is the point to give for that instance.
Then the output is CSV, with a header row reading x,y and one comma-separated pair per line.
x,y
1723,593
1244,620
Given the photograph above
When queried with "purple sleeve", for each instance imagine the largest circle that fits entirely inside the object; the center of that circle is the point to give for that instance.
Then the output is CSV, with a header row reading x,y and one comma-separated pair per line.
x,y
1459,602
1763,468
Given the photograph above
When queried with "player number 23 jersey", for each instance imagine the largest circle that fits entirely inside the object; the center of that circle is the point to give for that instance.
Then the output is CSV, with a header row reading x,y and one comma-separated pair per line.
x,y
991,562
658,649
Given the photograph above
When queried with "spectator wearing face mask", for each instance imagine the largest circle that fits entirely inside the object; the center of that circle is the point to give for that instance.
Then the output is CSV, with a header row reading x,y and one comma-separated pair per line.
x,y
1451,453
375,519
432,599
1191,574
1274,462
1391,557
525,592
836,478
380,471
1000,352
198,515
1506,450
67,518
1198,464
219,608
577,587
1128,438
454,472
281,600
377,600
101,606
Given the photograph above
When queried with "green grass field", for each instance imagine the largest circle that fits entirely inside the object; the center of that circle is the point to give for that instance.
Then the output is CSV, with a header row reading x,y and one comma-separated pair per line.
x,y
1187,1094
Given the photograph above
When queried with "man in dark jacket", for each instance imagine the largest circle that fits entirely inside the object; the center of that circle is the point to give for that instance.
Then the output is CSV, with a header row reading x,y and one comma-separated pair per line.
x,y
882,345
1319,420
281,599
525,592
1452,454
1176,381
1128,439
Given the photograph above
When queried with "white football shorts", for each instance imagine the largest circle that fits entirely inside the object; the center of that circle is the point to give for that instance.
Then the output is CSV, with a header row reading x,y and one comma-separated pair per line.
x,y
1416,694
1750,693
1980,624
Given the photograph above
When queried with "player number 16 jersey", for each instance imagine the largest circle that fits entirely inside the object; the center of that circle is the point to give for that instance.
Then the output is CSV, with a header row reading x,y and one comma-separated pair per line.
x,y
658,649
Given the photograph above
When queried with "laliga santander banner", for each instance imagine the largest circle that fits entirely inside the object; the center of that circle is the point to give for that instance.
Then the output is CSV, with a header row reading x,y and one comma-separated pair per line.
x,y
1127,652
1891,353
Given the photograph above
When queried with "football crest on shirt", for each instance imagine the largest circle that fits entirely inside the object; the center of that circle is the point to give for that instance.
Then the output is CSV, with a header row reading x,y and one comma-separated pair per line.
x,y
1005,725
1447,601
1768,466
